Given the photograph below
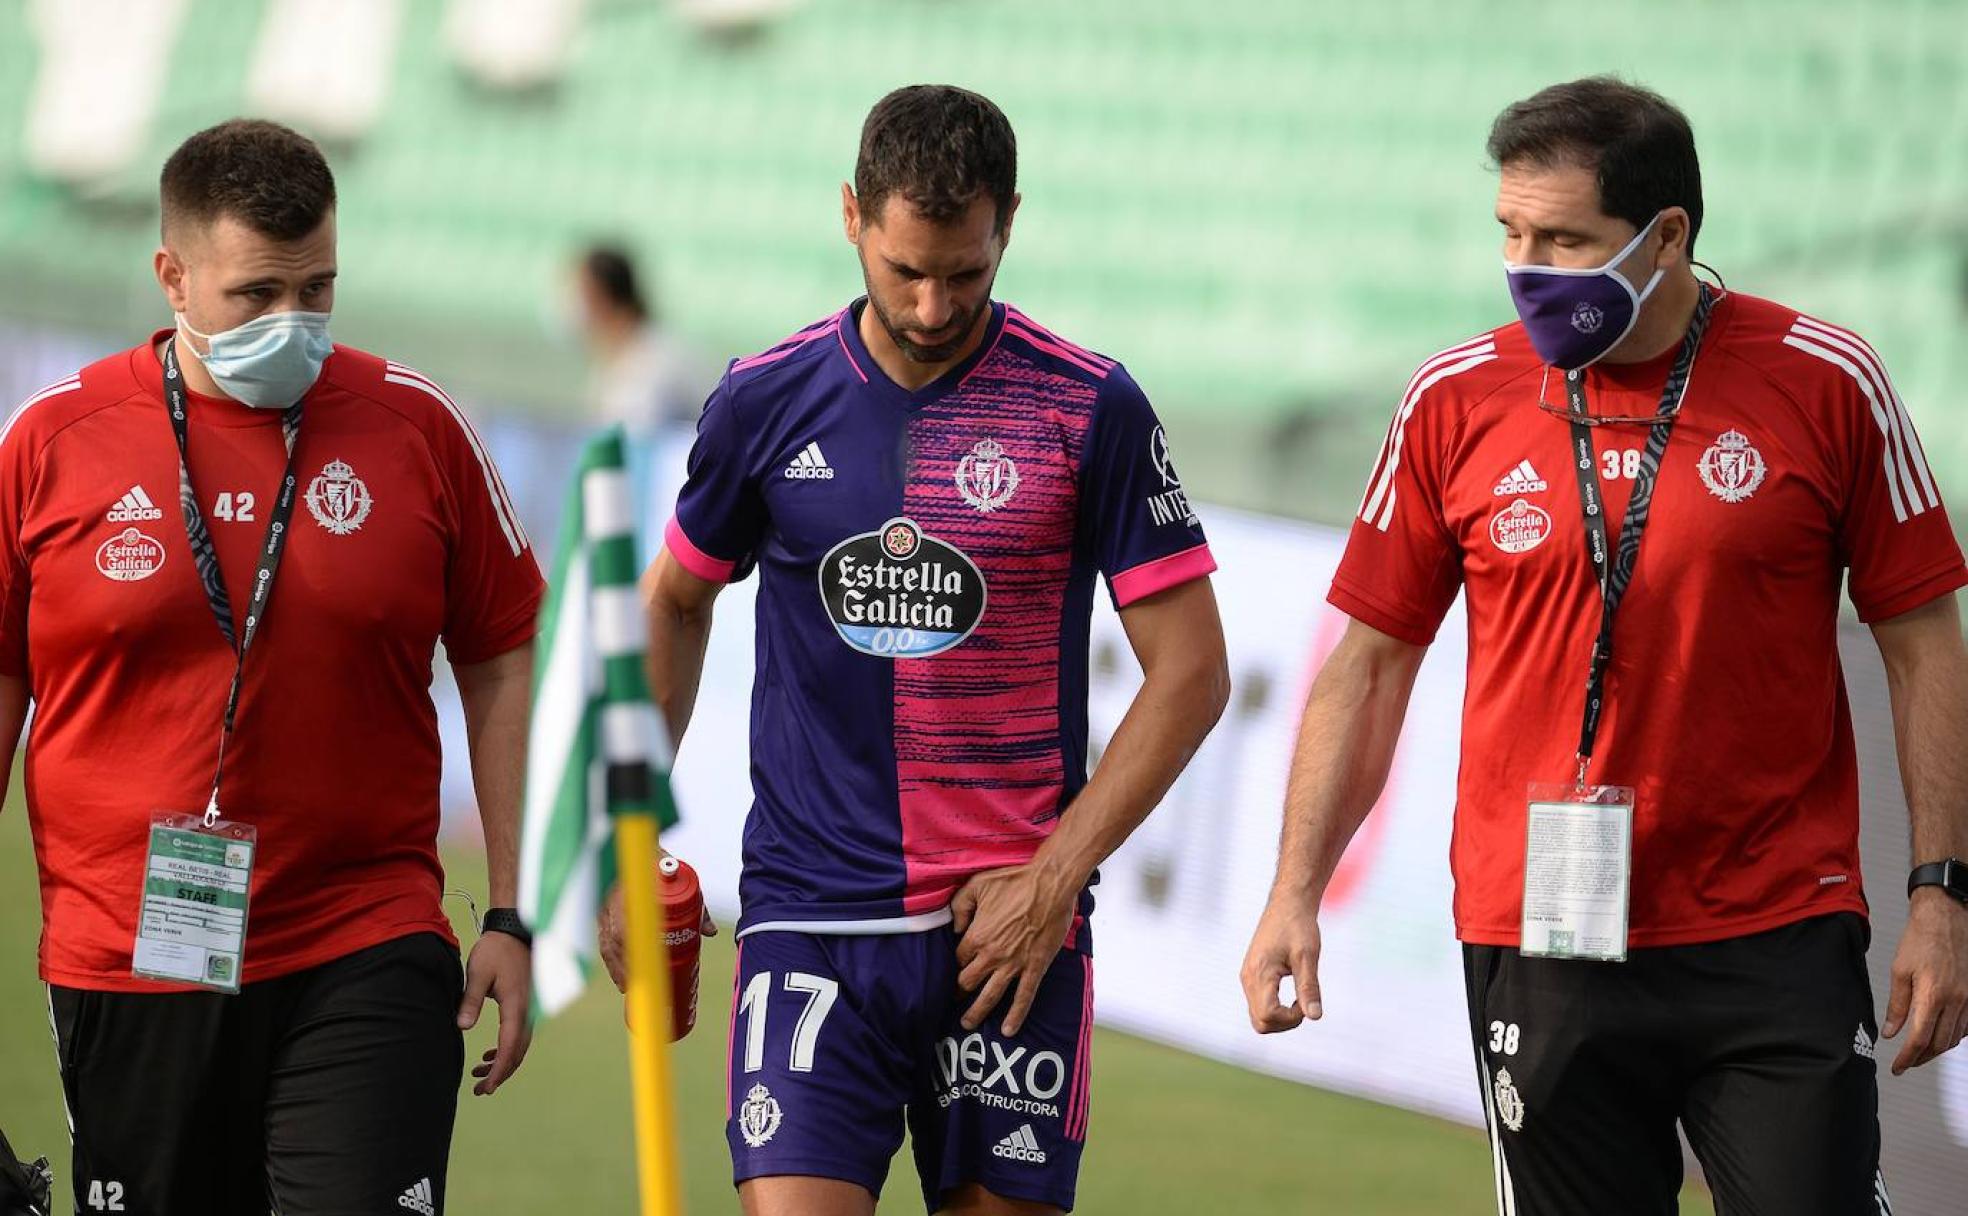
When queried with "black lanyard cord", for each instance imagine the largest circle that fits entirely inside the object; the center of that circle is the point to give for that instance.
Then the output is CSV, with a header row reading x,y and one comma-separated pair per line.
x,y
1613,571
205,554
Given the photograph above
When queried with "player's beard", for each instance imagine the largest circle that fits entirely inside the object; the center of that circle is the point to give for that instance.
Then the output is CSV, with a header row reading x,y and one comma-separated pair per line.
x,y
915,351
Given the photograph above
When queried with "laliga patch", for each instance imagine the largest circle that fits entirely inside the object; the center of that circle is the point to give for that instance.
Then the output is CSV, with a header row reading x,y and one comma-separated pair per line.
x,y
899,593
1520,527
1171,505
129,557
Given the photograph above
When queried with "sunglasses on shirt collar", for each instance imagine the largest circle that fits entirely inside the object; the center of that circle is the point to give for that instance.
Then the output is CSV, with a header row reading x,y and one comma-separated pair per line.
x,y
1567,413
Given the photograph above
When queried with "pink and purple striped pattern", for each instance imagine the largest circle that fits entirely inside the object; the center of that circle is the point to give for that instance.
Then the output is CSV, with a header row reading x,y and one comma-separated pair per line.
x,y
979,764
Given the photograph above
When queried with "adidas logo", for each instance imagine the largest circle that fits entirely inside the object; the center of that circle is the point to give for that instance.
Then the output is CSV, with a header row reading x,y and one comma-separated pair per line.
x,y
134,507
1521,480
1862,1044
810,465
418,1198
1021,1145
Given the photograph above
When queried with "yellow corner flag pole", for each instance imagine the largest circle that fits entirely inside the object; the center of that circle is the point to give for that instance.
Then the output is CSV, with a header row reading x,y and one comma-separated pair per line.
x,y
649,1016
599,529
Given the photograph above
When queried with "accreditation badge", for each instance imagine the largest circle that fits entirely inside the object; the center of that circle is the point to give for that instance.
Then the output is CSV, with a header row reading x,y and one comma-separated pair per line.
x,y
1578,872
192,929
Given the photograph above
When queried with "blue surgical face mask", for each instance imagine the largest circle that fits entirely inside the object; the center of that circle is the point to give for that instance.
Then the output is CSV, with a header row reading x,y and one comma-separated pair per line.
x,y
269,362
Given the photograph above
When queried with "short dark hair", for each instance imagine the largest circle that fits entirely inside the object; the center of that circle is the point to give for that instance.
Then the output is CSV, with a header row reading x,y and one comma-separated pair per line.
x,y
613,271
1637,143
269,177
941,148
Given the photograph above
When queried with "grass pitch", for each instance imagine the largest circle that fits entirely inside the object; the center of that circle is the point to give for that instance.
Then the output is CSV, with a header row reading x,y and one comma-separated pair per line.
x,y
1172,1134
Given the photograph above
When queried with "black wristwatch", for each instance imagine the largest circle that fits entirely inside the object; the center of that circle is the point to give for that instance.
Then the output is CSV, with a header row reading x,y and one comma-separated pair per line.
x,y
506,921
1950,876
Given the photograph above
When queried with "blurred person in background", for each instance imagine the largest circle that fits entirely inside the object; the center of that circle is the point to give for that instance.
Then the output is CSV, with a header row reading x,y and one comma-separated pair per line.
x,y
930,485
229,555
643,377
1687,941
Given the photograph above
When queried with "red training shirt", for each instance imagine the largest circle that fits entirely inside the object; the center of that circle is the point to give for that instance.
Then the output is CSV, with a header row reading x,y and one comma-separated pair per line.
x,y
1794,462
410,537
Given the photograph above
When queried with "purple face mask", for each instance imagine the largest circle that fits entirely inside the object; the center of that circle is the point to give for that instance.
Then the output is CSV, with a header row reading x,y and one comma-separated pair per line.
x,y
1574,317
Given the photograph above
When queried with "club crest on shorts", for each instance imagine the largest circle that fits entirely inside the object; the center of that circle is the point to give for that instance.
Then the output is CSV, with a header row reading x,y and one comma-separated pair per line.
x,y
338,499
1732,469
759,1117
1520,527
1509,1103
986,477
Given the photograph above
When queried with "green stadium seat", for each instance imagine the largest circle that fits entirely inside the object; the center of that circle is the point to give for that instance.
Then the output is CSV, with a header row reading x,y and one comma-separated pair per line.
x,y
1261,206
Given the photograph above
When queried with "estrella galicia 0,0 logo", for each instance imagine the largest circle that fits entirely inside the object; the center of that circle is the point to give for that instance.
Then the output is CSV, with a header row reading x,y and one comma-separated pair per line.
x,y
900,593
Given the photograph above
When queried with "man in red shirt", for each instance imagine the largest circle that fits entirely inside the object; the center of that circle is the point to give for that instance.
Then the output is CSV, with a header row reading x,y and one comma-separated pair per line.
x,y
226,559
1656,832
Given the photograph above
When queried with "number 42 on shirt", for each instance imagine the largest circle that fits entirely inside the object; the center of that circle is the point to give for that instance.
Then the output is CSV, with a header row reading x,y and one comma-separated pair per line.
x,y
235,506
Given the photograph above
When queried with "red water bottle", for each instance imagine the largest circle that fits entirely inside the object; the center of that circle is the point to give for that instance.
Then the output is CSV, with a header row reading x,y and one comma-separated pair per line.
x,y
683,920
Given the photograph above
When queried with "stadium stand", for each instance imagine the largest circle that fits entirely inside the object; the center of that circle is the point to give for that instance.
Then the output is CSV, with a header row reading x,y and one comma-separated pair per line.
x,y
1270,209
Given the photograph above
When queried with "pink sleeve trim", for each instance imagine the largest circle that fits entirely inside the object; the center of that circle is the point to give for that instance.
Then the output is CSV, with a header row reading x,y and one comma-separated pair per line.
x,y
693,559
1139,582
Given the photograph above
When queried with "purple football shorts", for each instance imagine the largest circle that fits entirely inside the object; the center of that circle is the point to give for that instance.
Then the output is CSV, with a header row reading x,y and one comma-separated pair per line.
x,y
836,1041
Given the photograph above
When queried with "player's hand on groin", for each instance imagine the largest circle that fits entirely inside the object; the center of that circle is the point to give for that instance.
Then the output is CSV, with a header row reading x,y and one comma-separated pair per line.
x,y
1010,925
1286,945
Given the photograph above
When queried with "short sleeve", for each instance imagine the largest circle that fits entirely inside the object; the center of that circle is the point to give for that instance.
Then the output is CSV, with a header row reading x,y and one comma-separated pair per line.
x,y
16,475
1145,535
1893,532
720,515
1402,567
492,588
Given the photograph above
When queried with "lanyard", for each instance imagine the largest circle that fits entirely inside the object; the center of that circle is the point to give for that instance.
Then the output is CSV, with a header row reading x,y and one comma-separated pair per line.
x,y
205,555
1614,572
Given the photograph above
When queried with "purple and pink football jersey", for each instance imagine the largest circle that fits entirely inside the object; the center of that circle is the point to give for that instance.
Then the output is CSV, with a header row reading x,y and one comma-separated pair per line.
x,y
927,562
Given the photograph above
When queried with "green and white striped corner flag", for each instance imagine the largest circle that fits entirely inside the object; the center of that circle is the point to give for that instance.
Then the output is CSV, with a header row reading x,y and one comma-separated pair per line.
x,y
597,747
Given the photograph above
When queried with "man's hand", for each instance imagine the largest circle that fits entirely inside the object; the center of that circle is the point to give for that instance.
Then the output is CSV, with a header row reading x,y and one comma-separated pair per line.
x,y
1930,980
1010,924
500,967
1286,944
610,931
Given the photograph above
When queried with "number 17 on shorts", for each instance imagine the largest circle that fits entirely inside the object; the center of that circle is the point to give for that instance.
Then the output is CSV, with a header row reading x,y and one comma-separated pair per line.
x,y
837,1041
